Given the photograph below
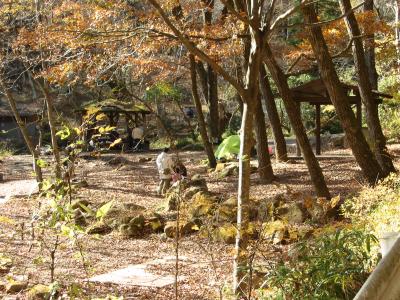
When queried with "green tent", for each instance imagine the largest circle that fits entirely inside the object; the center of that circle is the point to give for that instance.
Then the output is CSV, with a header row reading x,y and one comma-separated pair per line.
x,y
229,147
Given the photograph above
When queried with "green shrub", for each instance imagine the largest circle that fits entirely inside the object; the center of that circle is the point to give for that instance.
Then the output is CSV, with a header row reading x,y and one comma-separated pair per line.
x,y
390,120
331,266
377,209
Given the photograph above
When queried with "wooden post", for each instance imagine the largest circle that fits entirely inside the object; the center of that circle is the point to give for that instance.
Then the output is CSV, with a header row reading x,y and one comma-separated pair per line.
x,y
359,113
318,129
136,120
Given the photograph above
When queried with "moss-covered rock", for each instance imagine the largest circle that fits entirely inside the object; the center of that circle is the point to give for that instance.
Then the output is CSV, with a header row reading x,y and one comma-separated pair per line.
x,y
185,228
191,191
122,214
137,221
293,213
197,180
99,228
15,286
226,233
39,292
202,204
155,222
5,263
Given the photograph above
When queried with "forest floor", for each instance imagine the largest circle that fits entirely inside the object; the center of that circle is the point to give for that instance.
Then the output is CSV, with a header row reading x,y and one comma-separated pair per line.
x,y
206,266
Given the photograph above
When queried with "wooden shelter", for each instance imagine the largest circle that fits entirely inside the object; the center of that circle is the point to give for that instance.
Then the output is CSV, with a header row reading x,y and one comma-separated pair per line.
x,y
132,115
315,93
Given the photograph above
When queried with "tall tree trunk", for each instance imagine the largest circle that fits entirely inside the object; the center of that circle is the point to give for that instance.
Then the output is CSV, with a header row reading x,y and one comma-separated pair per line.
x,y
250,100
212,80
53,127
363,154
246,144
365,88
294,116
273,116
200,117
213,104
397,32
24,131
201,71
370,50
264,160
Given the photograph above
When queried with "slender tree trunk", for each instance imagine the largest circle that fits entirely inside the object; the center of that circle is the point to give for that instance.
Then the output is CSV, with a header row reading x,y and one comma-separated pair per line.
x,y
397,32
273,116
24,131
201,71
213,103
250,101
363,154
365,88
212,80
200,117
53,127
246,144
370,50
294,116
264,160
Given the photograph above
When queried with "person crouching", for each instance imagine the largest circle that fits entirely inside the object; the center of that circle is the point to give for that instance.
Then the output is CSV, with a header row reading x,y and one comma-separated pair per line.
x,y
164,166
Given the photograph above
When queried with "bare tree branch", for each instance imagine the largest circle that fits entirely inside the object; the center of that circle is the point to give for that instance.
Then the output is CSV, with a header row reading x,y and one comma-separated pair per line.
x,y
196,51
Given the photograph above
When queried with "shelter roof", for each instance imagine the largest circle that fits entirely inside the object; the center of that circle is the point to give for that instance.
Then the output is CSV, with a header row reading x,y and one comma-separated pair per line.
x,y
114,105
316,92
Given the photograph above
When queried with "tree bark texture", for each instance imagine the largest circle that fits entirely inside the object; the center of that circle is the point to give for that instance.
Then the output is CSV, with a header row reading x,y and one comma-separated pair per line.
x,y
240,280
365,89
200,117
370,50
212,80
361,151
294,116
264,160
273,116
397,32
53,128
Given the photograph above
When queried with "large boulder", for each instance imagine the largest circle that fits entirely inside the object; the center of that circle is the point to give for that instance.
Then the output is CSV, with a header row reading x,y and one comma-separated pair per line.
x,y
293,213
202,204
184,191
154,222
122,214
226,233
17,285
197,180
191,191
185,228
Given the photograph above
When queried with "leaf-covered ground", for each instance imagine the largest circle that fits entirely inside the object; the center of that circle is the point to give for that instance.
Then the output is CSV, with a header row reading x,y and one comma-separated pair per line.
x,y
207,265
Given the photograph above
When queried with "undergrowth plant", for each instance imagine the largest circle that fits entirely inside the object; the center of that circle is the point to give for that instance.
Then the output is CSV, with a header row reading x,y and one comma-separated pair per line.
x,y
376,209
58,222
331,266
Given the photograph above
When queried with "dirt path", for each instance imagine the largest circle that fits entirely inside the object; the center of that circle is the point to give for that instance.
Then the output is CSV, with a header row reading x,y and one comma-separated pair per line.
x,y
207,266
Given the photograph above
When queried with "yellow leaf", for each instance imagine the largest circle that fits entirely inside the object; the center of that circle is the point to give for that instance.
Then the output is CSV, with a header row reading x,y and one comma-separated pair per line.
x,y
116,142
101,117
6,220
335,201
